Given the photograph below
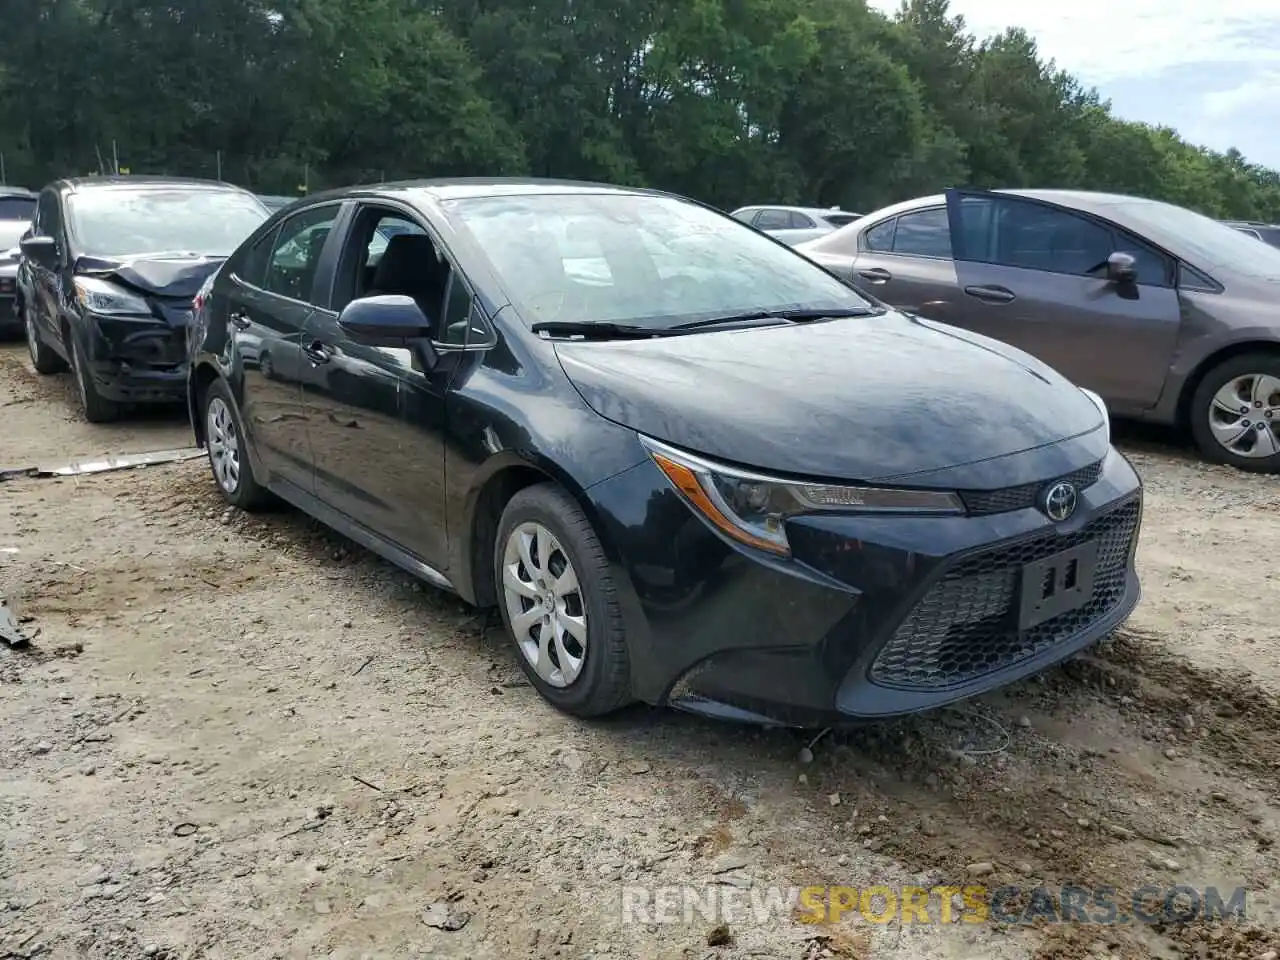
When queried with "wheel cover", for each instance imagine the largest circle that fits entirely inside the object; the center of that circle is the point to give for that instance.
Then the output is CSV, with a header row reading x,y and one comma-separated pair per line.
x,y
1244,416
544,604
224,445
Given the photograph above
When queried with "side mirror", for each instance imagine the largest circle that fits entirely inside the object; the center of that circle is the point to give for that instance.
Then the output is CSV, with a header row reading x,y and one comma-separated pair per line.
x,y
390,320
1122,268
43,250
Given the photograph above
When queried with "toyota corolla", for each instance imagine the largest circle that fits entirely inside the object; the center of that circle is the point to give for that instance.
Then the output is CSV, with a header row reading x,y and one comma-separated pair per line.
x,y
703,472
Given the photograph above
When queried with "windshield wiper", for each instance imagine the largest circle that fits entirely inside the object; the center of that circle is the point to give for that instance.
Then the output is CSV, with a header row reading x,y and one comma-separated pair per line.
x,y
786,316
597,331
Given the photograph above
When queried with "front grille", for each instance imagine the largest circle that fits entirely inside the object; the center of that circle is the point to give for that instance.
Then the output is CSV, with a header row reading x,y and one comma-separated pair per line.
x,y
966,625
982,502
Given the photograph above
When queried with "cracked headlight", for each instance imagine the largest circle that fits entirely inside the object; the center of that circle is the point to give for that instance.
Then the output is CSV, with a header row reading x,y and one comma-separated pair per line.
x,y
753,508
101,297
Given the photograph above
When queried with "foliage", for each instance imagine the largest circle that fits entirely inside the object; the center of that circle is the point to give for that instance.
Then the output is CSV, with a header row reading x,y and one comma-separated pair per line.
x,y
730,101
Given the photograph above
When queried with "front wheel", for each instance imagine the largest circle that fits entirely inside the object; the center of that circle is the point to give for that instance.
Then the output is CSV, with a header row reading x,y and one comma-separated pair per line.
x,y
559,603
1235,413
228,456
97,408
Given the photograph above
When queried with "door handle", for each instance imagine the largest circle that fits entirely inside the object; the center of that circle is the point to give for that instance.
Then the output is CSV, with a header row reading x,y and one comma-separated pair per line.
x,y
239,320
876,275
991,294
317,352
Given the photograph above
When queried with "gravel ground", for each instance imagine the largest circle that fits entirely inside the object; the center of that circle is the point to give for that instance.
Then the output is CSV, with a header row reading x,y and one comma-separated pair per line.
x,y
244,737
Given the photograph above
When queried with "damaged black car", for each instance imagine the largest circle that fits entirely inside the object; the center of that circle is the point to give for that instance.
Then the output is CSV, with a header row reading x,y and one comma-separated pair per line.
x,y
113,263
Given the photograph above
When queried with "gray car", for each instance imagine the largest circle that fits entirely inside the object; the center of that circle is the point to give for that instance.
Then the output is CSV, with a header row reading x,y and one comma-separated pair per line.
x,y
16,206
1171,316
1266,232
794,225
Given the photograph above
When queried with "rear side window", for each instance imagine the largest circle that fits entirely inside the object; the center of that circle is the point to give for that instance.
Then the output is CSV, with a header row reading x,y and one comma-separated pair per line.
x,y
800,222
879,239
925,233
291,268
252,265
17,208
774,220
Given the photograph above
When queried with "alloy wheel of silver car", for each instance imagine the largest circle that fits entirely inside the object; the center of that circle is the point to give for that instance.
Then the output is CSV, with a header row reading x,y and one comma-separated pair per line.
x,y
544,604
224,445
1244,415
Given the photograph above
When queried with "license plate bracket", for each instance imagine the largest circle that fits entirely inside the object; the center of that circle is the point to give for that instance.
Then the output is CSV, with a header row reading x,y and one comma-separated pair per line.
x,y
1057,584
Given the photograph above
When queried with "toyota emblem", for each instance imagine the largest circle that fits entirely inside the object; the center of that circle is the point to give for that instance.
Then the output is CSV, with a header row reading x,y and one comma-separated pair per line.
x,y
1059,501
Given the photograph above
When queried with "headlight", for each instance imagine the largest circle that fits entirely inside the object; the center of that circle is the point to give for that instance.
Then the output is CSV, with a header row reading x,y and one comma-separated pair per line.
x,y
753,509
1102,409
98,296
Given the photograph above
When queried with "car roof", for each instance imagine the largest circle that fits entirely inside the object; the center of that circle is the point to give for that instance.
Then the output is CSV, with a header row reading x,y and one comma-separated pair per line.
x,y
131,182
811,211
461,188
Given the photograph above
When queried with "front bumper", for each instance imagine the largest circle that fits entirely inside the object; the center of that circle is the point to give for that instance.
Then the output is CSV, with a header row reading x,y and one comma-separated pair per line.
x,y
136,361
873,616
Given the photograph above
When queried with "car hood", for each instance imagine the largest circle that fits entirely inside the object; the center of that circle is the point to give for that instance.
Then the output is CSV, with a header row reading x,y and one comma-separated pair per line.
x,y
159,275
871,399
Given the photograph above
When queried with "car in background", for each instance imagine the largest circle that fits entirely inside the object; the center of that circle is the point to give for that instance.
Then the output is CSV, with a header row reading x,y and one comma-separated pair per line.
x,y
113,263
706,474
274,203
16,207
1266,232
794,225
1170,316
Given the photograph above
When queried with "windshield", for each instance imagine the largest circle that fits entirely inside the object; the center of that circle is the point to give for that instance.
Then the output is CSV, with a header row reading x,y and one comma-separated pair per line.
x,y
640,260
1203,241
122,223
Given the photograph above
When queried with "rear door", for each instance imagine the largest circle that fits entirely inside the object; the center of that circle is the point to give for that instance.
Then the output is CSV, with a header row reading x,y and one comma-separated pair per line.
x,y
269,301
906,261
1033,274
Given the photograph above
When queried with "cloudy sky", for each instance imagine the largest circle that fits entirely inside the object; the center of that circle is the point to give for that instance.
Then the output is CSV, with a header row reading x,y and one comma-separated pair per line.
x,y
1208,68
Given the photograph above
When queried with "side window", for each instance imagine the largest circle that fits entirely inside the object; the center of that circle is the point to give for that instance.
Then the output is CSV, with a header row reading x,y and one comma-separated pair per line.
x,y
252,265
800,222
457,311
879,239
1035,237
925,233
291,268
774,220
50,216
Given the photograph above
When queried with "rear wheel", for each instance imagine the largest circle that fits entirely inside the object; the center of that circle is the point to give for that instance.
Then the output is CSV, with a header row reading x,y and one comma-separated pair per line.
x,y
1235,413
228,455
559,603
43,358
97,408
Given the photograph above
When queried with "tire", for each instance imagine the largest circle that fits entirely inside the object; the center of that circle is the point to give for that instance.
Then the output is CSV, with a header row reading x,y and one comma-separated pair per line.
x,y
97,408
43,357
224,437
1242,372
602,682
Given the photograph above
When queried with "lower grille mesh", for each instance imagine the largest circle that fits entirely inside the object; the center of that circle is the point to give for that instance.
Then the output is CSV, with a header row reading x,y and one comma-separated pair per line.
x,y
965,626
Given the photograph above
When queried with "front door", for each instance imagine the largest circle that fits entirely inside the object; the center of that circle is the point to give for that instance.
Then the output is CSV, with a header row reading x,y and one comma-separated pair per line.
x,y
377,418
1033,274
269,304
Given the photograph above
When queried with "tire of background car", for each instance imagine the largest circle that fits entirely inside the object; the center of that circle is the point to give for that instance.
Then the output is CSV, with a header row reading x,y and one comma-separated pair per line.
x,y
563,535
43,358
225,442
97,408
1246,366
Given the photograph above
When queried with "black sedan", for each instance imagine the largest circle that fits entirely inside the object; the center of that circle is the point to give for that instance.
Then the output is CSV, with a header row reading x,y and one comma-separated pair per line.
x,y
113,263
687,464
